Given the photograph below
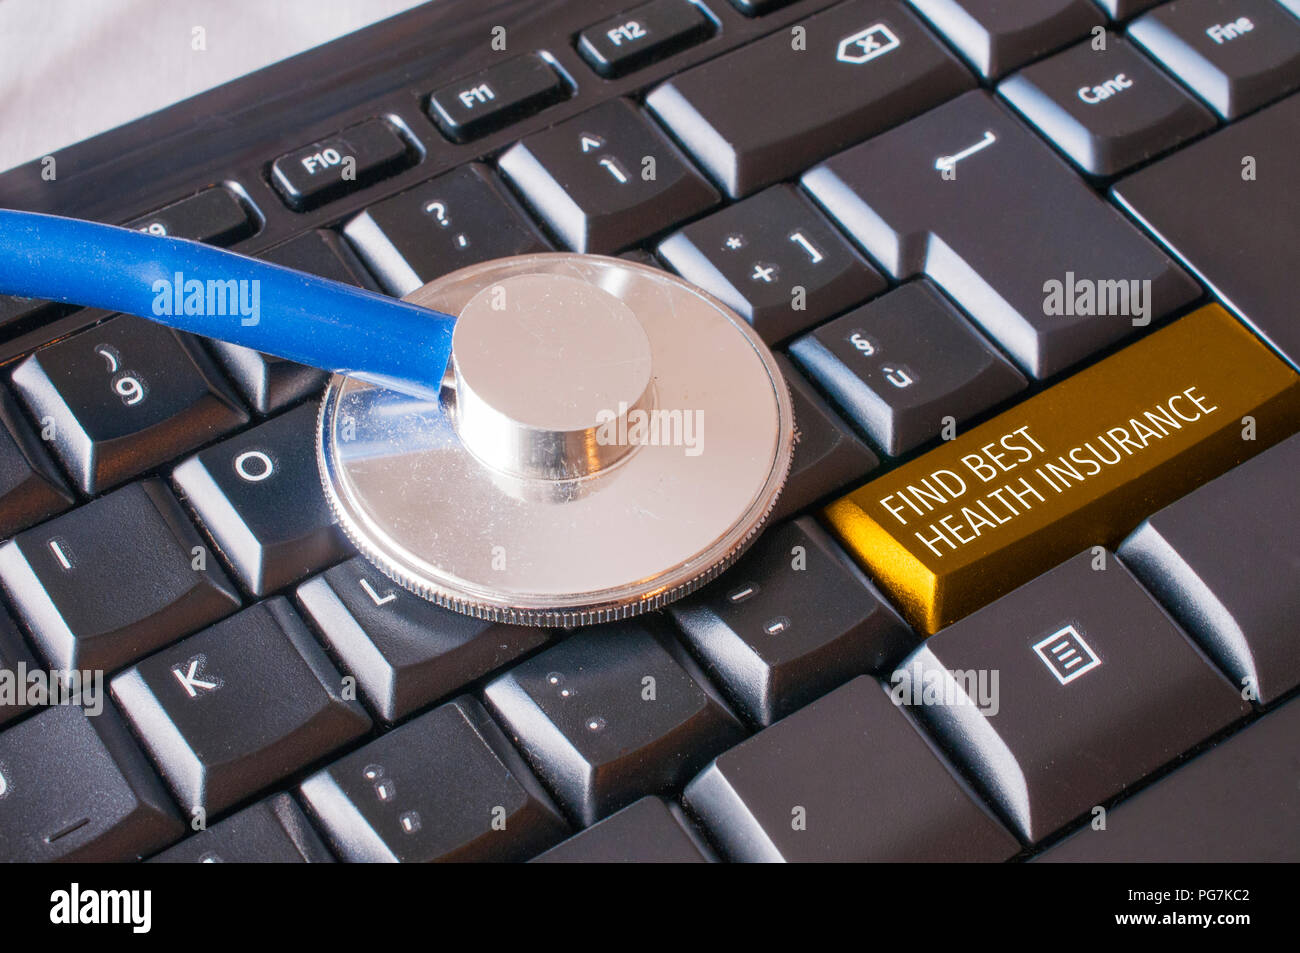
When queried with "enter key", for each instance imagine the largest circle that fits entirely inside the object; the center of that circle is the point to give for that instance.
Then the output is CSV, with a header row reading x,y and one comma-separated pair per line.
x,y
1079,464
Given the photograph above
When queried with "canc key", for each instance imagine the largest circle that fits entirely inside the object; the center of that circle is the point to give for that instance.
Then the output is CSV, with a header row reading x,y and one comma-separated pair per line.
x,y
1078,465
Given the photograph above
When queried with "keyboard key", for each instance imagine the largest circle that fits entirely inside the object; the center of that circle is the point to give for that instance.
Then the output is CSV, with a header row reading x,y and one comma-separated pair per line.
x,y
767,111
1228,207
405,651
495,97
846,779
269,383
1236,803
214,216
1123,9
968,197
273,831
754,8
606,179
457,219
75,788
1077,465
20,315
1223,560
789,622
1106,109
350,160
611,714
828,456
238,707
107,583
30,488
1236,55
1097,688
640,36
904,364
447,786
124,397
648,831
773,260
14,661
259,495
998,37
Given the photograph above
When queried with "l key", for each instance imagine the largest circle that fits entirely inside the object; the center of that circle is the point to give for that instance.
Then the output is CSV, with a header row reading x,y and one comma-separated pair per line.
x,y
967,196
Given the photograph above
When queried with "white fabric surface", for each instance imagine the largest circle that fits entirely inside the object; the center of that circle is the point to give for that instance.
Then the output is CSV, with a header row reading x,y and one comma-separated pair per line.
x,y
72,68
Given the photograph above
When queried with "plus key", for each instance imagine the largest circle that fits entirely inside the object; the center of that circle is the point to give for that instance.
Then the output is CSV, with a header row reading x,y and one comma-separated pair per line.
x,y
775,260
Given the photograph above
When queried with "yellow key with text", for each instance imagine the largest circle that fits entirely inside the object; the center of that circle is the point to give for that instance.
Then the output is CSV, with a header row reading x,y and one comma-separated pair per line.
x,y
1079,464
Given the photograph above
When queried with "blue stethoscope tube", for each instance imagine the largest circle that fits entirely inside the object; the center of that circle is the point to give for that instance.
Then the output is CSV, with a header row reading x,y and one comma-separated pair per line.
x,y
223,295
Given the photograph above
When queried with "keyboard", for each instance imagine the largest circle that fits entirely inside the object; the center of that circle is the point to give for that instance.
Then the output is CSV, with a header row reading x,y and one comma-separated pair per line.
x,y
1031,592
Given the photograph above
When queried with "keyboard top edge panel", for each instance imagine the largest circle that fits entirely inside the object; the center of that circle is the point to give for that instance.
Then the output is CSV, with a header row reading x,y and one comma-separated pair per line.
x,y
233,132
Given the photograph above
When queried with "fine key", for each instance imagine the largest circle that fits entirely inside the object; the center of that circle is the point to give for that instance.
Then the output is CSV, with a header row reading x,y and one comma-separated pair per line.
x,y
846,779
344,162
273,831
771,109
1106,109
239,706
30,488
1236,803
970,198
998,37
906,364
1224,561
1095,689
789,622
495,97
125,396
1076,465
259,495
447,786
610,714
73,786
606,178
1236,55
1241,234
115,579
642,35
457,219
271,383
775,261
405,651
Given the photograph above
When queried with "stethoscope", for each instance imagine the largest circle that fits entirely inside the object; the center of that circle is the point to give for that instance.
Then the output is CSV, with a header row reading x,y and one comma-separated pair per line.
x,y
549,439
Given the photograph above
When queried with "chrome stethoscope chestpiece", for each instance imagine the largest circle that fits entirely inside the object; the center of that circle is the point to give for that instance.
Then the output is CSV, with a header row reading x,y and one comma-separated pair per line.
x,y
607,438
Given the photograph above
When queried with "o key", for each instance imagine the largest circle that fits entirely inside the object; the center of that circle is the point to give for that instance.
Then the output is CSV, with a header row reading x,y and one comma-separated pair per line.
x,y
1078,465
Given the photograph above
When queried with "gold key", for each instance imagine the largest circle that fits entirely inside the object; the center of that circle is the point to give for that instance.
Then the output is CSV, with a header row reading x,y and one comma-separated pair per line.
x,y
1078,465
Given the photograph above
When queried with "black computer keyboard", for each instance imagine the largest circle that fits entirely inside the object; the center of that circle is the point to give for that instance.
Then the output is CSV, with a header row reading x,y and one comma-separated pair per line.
x,y
882,189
